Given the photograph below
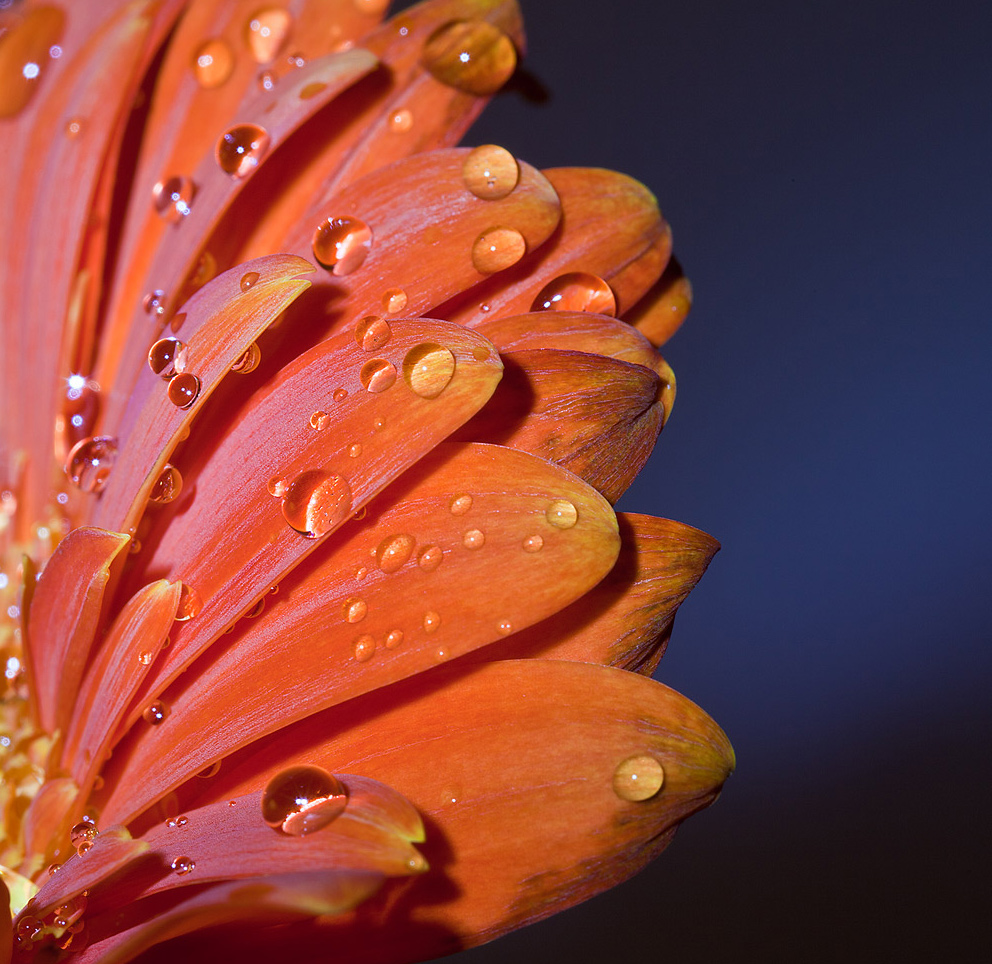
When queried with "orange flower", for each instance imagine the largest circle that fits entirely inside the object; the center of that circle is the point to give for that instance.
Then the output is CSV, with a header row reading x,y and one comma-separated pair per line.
x,y
339,412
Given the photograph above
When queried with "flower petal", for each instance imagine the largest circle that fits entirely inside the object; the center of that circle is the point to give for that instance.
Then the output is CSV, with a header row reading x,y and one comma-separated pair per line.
x,y
382,600
663,309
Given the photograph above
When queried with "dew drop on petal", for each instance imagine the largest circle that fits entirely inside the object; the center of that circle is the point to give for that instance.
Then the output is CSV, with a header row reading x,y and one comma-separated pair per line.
x,y
240,149
302,799
173,198
354,450
74,127
364,648
266,32
162,356
461,504
562,514
474,539
28,928
80,407
431,621
394,301
372,333
154,713
213,62
206,268
84,830
190,604
248,360
177,821
638,778
184,389
355,610
576,291
472,56
153,303
490,172
430,558
341,244
319,420
393,552
533,543
248,279
167,486
277,486
400,121
428,369
90,461
378,375
316,502
312,89
146,658
183,866
26,48
497,249
340,394
505,627
394,638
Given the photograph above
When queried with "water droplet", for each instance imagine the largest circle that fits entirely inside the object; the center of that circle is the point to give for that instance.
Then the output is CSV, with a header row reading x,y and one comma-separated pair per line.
x,y
277,486
474,539
213,63
256,609
372,333
378,424
84,830
431,621
354,450
378,375
341,244
167,486
177,821
394,638
153,303
173,198
428,369
340,394
430,558
74,127
155,713
316,502
90,461
184,389
53,869
394,301
497,249
162,356
638,778
319,420
83,847
206,268
239,151
533,543
355,610
400,121
190,604
470,55
146,658
28,927
28,44
80,408
490,172
576,291
562,514
266,80
248,279
177,321
312,89
364,648
208,773
393,552
461,504
248,360
183,866
505,627
267,31
303,799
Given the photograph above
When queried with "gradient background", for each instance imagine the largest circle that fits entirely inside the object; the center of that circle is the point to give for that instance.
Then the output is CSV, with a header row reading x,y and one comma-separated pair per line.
x,y
826,169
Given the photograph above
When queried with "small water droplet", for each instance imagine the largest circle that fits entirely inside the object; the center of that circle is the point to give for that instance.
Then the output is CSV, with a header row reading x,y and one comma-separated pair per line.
x,y
355,610
208,773
177,821
256,609
394,301
341,244
155,713
206,268
146,658
470,55
319,420
533,543
248,360
461,504
576,291
431,621
377,375
394,638
266,80
562,514
372,333
496,249
53,869
80,408
173,198
28,46
184,389
638,778
266,33
190,604
90,461
239,151
505,627
428,369
84,830
354,450
316,502
303,799
248,279
167,486
430,558
490,172
400,121
364,648
277,486
213,63
393,552
474,539
162,356
340,394
312,89
183,866
153,303
378,424
74,127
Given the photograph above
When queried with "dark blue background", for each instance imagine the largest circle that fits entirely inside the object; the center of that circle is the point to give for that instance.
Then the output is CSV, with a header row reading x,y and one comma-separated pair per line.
x,y
826,169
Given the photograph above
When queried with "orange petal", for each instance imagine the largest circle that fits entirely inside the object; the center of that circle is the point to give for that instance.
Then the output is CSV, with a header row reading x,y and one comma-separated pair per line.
x,y
596,416
625,621
64,616
663,309
47,819
385,599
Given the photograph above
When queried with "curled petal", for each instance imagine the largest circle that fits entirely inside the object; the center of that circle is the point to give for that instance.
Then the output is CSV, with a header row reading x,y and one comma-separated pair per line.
x,y
663,309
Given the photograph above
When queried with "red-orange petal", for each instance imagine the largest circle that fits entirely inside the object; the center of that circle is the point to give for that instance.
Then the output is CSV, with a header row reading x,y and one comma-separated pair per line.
x,y
663,309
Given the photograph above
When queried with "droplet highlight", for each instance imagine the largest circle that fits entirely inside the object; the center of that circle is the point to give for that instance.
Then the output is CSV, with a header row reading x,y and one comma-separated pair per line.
x,y
378,375
213,63
428,369
153,303
355,610
240,149
562,514
316,502
90,462
490,172
431,622
190,603
497,249
319,420
638,778
533,543
394,638
341,244
183,866
400,121
155,713
576,291
173,198
303,799
248,279
27,48
470,55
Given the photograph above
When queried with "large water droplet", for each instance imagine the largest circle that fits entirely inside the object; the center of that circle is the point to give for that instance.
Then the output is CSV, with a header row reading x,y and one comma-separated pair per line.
x,y
316,502
303,799
638,778
183,866
562,514
378,375
372,333
428,369
248,360
173,197
27,47
162,356
84,830
266,33
341,244
497,249
393,552
167,486
155,713
576,291
240,149
184,389
213,63
470,55
490,172
90,461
